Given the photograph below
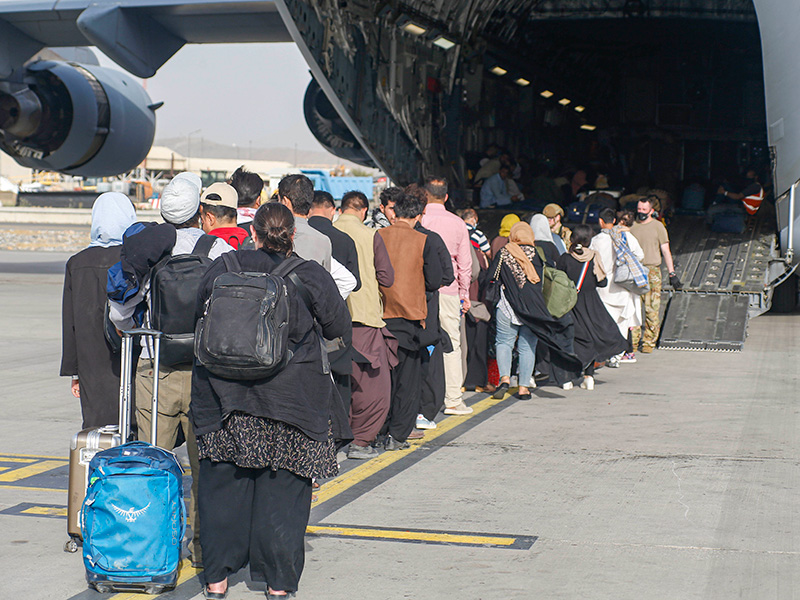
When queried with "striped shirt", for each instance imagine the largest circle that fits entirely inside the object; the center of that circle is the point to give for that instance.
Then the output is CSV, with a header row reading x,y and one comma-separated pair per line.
x,y
478,239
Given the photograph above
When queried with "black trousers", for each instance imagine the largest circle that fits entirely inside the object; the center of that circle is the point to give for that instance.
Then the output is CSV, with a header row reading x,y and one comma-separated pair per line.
x,y
406,387
253,515
433,382
477,353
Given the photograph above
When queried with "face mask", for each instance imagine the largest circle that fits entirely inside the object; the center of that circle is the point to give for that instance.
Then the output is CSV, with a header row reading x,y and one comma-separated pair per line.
x,y
642,216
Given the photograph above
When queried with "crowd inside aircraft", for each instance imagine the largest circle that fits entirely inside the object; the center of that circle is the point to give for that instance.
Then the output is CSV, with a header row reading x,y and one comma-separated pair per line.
x,y
393,313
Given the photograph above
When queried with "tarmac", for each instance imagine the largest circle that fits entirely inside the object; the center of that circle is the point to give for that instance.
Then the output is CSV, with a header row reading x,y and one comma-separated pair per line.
x,y
676,478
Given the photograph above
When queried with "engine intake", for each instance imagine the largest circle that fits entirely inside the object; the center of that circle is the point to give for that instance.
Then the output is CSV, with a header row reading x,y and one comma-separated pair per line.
x,y
77,119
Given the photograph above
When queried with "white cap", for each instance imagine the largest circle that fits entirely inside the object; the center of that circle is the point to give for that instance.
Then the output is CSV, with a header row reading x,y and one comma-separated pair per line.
x,y
180,200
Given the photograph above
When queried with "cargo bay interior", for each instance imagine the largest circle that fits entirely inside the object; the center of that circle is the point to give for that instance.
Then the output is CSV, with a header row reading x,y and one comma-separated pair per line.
x,y
654,93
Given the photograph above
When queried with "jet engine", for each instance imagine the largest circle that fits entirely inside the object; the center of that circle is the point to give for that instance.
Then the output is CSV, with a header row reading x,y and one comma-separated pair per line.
x,y
330,129
78,119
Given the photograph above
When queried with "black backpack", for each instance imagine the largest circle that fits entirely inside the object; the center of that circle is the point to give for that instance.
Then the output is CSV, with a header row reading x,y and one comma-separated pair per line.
x,y
174,285
244,331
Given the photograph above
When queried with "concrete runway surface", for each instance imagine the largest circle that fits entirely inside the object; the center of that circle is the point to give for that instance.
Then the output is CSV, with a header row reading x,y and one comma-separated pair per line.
x,y
677,477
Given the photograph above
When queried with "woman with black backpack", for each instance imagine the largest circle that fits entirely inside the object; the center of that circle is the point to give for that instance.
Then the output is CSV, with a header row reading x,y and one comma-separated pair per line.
x,y
261,441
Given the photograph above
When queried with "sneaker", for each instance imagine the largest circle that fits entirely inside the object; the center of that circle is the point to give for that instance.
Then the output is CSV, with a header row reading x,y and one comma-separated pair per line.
x,y
458,409
613,362
567,386
423,423
393,444
588,383
357,452
628,357
532,384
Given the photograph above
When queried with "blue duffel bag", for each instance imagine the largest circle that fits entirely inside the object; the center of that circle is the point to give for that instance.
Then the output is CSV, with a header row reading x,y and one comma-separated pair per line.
x,y
133,519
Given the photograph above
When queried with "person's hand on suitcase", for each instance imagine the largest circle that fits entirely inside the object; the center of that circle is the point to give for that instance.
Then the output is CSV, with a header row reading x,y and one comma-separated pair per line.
x,y
674,281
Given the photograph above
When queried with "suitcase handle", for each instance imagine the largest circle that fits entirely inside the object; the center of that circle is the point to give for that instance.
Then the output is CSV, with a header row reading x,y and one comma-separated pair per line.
x,y
127,375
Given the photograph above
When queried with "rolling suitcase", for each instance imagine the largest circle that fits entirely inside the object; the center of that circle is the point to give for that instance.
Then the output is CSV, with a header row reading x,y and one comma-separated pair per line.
x,y
133,518
85,444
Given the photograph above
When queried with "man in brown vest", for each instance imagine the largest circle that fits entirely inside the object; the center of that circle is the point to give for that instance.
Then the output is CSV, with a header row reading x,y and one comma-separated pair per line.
x,y
417,270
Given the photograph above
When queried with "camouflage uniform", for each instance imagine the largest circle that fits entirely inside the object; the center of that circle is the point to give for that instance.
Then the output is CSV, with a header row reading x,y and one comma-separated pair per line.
x,y
652,303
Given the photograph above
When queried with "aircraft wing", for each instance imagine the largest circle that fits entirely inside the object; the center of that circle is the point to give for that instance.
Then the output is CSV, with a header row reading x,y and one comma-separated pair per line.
x,y
139,35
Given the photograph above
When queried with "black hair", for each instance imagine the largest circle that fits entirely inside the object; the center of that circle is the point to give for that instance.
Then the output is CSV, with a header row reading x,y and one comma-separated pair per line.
x,y
581,236
468,213
355,200
390,194
627,216
191,222
300,192
436,187
225,213
323,199
274,227
608,215
248,185
409,206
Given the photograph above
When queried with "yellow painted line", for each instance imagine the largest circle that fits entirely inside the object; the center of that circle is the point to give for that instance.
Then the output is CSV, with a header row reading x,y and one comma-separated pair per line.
x,y
4,468
390,534
31,489
31,470
187,571
30,457
372,466
15,459
46,510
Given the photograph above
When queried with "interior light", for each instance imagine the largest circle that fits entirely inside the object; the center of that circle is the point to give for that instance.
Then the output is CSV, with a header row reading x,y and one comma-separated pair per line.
x,y
522,82
547,94
413,28
564,101
499,71
443,43
580,108
588,127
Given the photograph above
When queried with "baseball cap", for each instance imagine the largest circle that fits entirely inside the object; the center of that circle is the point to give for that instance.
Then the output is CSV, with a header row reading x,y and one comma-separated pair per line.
x,y
551,210
220,194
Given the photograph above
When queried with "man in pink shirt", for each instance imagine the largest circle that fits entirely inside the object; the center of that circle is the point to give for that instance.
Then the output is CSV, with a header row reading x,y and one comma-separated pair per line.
x,y
453,298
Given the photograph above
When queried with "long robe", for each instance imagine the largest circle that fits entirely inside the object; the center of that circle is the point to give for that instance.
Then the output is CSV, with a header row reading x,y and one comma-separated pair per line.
x,y
556,334
597,337
85,351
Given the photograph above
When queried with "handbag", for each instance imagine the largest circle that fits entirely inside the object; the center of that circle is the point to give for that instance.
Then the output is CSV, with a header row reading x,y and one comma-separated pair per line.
x,y
491,294
560,294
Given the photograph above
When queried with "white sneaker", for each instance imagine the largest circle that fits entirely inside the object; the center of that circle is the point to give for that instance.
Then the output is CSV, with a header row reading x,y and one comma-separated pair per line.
x,y
567,386
588,383
458,409
613,362
532,384
423,423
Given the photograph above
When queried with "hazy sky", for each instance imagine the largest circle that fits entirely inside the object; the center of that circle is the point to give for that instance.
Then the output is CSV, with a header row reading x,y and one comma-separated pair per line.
x,y
234,93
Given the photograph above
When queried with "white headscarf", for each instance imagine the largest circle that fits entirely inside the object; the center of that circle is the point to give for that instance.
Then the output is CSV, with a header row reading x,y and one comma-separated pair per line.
x,y
112,214
541,228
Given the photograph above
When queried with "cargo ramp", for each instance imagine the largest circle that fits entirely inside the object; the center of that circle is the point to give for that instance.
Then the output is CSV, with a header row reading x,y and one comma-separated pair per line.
x,y
726,281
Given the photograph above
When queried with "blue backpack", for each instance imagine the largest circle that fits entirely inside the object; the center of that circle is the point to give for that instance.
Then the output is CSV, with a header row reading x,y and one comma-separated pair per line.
x,y
133,519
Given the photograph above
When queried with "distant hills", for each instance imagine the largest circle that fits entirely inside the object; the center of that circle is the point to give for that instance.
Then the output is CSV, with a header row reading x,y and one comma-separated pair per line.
x,y
203,148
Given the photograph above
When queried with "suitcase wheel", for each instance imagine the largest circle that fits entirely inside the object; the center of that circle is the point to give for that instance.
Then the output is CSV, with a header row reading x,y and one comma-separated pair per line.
x,y
103,588
153,590
71,545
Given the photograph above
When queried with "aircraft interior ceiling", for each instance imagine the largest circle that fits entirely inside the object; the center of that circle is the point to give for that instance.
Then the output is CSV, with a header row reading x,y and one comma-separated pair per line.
x,y
545,79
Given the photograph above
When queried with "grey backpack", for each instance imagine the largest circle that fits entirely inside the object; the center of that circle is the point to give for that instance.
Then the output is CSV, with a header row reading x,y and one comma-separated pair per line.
x,y
244,331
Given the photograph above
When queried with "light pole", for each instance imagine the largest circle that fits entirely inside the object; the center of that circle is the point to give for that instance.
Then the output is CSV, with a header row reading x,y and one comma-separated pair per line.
x,y
189,147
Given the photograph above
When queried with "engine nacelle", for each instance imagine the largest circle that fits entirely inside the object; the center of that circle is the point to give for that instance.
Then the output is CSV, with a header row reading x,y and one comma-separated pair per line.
x,y
77,119
330,129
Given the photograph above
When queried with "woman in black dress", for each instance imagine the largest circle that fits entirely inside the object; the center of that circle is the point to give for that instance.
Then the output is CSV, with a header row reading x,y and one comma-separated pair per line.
x,y
597,337
262,441
86,356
